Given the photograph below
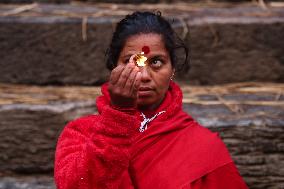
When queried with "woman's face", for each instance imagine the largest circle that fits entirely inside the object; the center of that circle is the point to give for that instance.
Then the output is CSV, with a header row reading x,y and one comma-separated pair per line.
x,y
155,76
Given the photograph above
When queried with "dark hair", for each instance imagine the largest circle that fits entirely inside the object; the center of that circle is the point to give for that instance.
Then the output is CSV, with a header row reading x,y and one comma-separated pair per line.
x,y
142,23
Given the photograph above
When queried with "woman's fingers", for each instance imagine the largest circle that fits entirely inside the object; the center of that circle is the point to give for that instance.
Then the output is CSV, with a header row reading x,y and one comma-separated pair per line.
x,y
136,83
131,59
124,85
130,81
115,74
125,74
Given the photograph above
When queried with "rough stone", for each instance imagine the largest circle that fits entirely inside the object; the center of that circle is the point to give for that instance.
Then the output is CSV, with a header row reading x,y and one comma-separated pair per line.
x,y
31,182
66,44
127,1
34,1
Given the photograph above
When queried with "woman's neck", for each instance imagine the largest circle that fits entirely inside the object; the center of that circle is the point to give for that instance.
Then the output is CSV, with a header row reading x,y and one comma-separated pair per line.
x,y
152,107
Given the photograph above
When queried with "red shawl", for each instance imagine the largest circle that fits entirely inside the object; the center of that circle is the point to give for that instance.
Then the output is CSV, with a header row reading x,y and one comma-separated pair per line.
x,y
108,151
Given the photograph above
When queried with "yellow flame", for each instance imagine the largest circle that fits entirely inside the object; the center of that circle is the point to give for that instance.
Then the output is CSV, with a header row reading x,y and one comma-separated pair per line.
x,y
140,59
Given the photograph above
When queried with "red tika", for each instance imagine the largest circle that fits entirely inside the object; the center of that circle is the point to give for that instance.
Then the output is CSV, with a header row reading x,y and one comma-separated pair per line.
x,y
108,151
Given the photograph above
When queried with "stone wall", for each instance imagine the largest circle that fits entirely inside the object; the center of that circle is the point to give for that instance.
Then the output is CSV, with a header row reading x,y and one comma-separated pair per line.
x,y
128,1
50,46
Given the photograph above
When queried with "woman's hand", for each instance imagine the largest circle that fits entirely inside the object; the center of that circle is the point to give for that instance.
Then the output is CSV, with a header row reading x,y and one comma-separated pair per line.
x,y
124,84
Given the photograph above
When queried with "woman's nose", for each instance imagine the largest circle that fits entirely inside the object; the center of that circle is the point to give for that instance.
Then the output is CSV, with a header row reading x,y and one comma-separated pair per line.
x,y
145,75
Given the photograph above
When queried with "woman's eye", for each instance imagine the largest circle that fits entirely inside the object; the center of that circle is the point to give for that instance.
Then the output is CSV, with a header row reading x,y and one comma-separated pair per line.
x,y
156,63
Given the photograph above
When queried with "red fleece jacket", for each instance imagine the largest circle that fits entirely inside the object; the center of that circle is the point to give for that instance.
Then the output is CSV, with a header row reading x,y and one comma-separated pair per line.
x,y
108,151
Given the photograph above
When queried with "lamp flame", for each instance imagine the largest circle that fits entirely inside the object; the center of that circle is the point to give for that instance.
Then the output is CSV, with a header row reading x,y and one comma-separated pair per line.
x,y
140,59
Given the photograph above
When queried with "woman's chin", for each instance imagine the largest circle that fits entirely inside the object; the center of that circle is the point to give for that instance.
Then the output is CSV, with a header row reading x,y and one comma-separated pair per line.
x,y
144,103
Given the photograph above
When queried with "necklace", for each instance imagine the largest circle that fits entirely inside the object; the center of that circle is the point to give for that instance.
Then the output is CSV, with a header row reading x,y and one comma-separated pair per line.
x,y
144,123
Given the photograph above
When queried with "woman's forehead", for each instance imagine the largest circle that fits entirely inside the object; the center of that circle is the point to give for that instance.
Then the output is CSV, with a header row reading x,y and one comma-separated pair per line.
x,y
136,43
146,39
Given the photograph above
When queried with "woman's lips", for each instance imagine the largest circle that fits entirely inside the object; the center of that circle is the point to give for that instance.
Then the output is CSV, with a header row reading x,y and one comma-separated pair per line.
x,y
145,91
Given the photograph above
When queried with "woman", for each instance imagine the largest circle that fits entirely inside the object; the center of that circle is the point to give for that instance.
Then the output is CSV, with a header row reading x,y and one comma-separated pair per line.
x,y
141,137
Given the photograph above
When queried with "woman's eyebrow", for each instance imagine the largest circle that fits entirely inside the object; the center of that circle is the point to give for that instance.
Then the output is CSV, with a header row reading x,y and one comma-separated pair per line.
x,y
152,54
158,55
